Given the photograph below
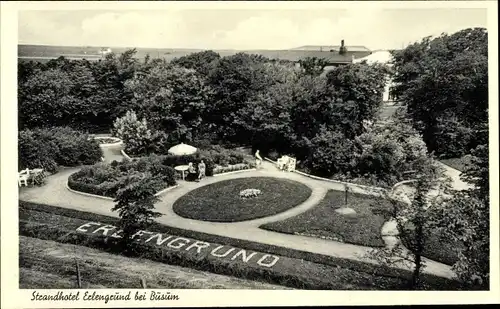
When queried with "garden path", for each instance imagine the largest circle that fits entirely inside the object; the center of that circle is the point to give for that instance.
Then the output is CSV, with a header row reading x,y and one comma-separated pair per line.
x,y
55,193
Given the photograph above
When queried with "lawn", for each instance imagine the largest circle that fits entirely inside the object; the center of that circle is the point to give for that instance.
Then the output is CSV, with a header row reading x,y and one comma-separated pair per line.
x,y
361,228
457,163
440,250
46,264
221,201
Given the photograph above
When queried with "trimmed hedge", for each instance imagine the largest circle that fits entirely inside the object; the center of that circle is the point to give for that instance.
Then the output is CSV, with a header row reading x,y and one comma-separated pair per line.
x,y
104,179
432,282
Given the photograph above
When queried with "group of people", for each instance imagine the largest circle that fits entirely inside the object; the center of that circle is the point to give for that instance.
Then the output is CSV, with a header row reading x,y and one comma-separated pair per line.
x,y
194,175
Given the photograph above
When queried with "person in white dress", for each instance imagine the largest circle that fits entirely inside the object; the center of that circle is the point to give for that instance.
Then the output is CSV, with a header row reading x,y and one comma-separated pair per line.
x,y
258,158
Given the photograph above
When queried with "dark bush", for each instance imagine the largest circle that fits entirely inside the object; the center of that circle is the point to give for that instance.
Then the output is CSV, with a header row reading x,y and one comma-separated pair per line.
x,y
48,148
104,179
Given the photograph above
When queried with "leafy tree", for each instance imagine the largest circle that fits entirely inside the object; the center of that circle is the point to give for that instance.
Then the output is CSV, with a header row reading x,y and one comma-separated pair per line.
x,y
202,62
135,204
414,213
361,84
265,118
234,79
443,77
138,138
173,98
331,153
313,65
466,219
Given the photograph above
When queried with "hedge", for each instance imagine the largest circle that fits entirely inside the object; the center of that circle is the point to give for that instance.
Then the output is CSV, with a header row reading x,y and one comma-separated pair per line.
x,y
431,282
48,148
104,179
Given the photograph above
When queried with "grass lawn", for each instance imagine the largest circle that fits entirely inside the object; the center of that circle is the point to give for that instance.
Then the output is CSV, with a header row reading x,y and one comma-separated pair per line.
x,y
46,264
440,250
220,202
456,163
362,228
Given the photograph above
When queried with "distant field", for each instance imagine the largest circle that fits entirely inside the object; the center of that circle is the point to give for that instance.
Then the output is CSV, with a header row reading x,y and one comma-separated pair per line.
x,y
44,53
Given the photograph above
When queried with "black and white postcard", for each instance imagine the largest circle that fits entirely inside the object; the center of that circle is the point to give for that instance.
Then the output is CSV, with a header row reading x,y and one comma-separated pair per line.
x,y
196,153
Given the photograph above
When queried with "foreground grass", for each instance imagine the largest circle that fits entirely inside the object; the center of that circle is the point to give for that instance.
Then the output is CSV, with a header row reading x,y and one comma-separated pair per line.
x,y
362,228
51,265
220,202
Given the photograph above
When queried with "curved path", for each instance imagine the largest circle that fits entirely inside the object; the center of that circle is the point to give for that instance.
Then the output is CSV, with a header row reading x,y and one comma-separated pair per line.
x,y
55,193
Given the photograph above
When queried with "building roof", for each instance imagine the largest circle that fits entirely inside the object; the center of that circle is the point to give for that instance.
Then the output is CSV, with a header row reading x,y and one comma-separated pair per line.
x,y
354,48
297,55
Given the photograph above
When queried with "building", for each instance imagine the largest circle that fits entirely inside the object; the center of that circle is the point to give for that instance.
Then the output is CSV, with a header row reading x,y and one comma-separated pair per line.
x,y
332,54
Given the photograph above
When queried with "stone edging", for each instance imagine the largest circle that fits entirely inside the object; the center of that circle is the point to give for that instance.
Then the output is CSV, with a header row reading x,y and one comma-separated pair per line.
x,y
88,194
234,172
125,155
112,199
165,190
118,143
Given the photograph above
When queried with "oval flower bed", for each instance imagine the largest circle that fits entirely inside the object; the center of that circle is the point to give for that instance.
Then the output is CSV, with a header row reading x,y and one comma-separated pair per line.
x,y
221,201
104,179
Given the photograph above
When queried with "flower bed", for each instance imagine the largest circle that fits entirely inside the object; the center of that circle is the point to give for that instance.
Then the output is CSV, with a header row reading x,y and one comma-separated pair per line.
x,y
104,179
221,202
233,168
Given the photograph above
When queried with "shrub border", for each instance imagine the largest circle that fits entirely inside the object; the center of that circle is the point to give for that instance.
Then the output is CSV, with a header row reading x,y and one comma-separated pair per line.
x,y
112,198
436,282
235,172
126,156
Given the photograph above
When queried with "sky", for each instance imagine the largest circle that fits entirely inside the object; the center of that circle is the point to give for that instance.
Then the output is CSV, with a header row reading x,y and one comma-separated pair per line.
x,y
243,29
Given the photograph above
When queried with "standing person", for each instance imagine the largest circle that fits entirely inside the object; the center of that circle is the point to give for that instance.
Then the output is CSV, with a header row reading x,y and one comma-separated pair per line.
x,y
258,159
201,170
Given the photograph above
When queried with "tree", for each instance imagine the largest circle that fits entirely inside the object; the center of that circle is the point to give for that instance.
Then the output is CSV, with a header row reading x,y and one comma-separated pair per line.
x,y
313,65
135,204
443,77
331,152
361,84
173,98
234,79
414,212
466,220
139,139
202,62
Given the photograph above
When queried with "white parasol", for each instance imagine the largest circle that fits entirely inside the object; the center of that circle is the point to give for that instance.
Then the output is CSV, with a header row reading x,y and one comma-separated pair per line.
x,y
182,149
